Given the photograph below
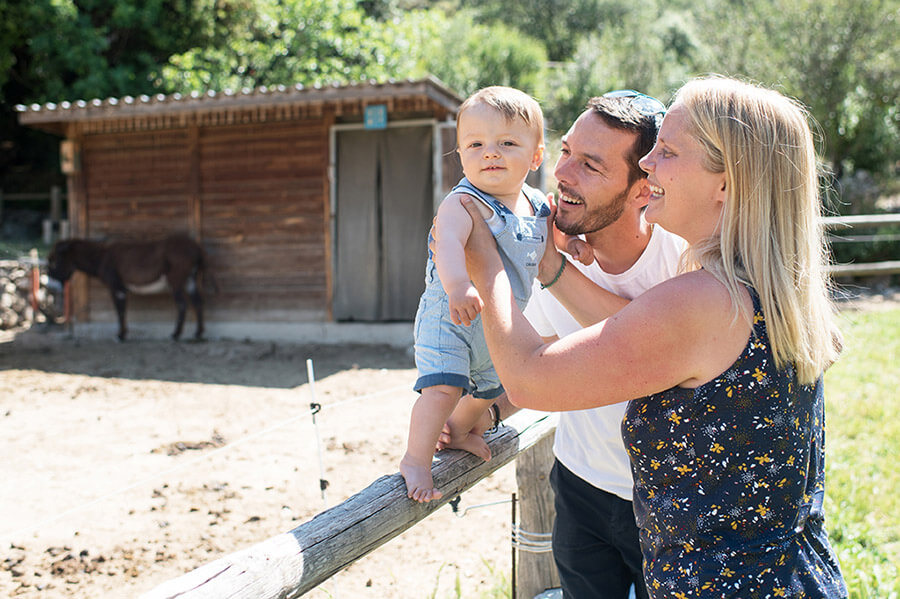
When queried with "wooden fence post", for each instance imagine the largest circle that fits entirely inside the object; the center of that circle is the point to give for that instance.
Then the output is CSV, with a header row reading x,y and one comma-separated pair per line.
x,y
536,570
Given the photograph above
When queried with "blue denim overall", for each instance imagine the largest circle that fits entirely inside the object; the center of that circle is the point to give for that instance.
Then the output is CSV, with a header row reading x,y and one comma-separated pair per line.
x,y
457,355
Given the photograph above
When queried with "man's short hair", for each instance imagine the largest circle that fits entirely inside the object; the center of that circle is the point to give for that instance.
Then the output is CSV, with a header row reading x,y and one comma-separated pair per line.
x,y
620,112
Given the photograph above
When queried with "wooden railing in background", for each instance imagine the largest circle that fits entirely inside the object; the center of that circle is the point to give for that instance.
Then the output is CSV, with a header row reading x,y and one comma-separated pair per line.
x,y
840,225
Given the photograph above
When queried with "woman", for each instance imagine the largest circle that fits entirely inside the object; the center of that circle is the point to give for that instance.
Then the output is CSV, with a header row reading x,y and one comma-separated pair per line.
x,y
722,364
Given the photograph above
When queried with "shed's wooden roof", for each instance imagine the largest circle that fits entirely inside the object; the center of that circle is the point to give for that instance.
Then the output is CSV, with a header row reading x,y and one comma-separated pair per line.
x,y
159,110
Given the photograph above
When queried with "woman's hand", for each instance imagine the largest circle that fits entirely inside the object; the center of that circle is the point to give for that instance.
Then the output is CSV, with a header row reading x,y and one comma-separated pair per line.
x,y
552,259
482,259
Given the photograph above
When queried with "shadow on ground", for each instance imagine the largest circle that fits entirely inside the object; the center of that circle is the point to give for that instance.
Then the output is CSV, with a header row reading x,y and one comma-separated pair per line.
x,y
220,362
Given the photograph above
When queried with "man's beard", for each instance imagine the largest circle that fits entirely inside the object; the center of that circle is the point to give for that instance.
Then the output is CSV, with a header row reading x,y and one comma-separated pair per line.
x,y
594,220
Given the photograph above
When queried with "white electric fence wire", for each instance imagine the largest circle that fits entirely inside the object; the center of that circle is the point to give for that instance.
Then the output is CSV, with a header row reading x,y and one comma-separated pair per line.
x,y
531,542
460,514
523,540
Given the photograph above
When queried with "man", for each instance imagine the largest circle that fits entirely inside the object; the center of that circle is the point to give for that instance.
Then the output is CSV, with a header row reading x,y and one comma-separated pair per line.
x,y
601,196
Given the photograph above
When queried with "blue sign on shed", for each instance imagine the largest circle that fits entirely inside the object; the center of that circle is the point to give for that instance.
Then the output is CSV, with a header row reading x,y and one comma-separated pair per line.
x,y
376,116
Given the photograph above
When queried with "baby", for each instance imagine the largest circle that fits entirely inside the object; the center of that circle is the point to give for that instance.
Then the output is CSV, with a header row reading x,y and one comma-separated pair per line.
x,y
500,138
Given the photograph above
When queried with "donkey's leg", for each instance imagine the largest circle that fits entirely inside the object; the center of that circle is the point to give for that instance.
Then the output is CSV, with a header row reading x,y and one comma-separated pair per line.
x,y
180,302
197,302
118,297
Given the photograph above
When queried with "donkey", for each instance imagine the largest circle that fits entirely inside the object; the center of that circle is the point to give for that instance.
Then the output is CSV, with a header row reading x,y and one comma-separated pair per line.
x,y
143,267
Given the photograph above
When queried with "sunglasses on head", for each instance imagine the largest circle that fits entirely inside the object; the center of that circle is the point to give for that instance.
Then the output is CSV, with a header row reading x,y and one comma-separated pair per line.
x,y
646,105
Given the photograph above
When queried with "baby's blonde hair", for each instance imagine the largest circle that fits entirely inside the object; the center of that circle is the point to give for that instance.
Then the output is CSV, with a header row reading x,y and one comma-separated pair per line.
x,y
511,103
771,233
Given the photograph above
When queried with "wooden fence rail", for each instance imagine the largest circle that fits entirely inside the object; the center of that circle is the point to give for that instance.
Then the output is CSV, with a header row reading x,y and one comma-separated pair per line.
x,y
292,563
863,269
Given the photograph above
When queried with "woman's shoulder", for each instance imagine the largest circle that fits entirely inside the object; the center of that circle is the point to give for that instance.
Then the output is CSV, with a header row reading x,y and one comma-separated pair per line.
x,y
695,299
697,287
695,312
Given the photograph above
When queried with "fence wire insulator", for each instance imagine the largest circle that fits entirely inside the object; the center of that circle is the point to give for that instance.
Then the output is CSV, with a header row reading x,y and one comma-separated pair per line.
x,y
454,504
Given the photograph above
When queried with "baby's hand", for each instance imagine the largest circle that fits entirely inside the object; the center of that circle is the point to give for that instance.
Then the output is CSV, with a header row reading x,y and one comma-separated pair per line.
x,y
574,246
580,250
465,304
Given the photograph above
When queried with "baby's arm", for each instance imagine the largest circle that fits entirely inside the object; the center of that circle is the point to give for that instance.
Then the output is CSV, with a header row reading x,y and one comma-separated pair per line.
x,y
452,227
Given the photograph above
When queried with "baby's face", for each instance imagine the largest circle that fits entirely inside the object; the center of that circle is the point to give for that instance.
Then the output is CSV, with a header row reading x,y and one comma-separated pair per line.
x,y
496,153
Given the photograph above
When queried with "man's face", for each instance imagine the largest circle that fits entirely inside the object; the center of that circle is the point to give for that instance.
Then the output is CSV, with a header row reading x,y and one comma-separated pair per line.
x,y
592,175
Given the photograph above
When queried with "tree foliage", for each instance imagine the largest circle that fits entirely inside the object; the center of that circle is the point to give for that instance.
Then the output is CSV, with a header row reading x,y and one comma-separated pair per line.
x,y
842,63
53,50
283,42
621,55
468,55
559,24
69,49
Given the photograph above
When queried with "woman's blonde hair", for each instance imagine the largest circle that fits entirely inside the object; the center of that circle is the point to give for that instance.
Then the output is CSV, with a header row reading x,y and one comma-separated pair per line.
x,y
771,234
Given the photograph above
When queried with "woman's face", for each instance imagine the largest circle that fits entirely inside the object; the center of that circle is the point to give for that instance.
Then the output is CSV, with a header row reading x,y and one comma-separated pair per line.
x,y
686,198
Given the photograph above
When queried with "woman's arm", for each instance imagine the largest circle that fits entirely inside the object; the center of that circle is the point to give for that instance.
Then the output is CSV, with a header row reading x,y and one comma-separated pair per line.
x,y
682,332
586,301
452,225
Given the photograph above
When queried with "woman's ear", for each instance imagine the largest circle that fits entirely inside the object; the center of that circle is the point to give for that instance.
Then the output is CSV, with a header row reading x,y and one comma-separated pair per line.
x,y
721,193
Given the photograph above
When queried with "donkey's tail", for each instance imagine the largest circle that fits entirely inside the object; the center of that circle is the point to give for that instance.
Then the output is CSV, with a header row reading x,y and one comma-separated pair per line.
x,y
205,274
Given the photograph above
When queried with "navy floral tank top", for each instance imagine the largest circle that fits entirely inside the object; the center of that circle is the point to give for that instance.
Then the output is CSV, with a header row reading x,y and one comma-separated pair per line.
x,y
729,482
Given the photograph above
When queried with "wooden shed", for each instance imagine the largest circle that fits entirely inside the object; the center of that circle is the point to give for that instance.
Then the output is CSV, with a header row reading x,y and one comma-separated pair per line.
x,y
313,204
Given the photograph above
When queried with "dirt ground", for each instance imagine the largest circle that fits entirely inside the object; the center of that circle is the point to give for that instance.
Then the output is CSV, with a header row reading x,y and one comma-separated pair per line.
x,y
125,465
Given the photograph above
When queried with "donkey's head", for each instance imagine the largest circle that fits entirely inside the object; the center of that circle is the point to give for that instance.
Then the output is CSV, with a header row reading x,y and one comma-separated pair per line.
x,y
60,262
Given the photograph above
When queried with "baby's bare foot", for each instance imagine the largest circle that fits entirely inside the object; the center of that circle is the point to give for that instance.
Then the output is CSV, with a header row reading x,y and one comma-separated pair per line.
x,y
474,444
419,484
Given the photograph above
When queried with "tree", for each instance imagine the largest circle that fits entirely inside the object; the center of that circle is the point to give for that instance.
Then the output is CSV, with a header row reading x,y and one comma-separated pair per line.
x,y
559,24
648,48
53,50
283,42
467,55
841,63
